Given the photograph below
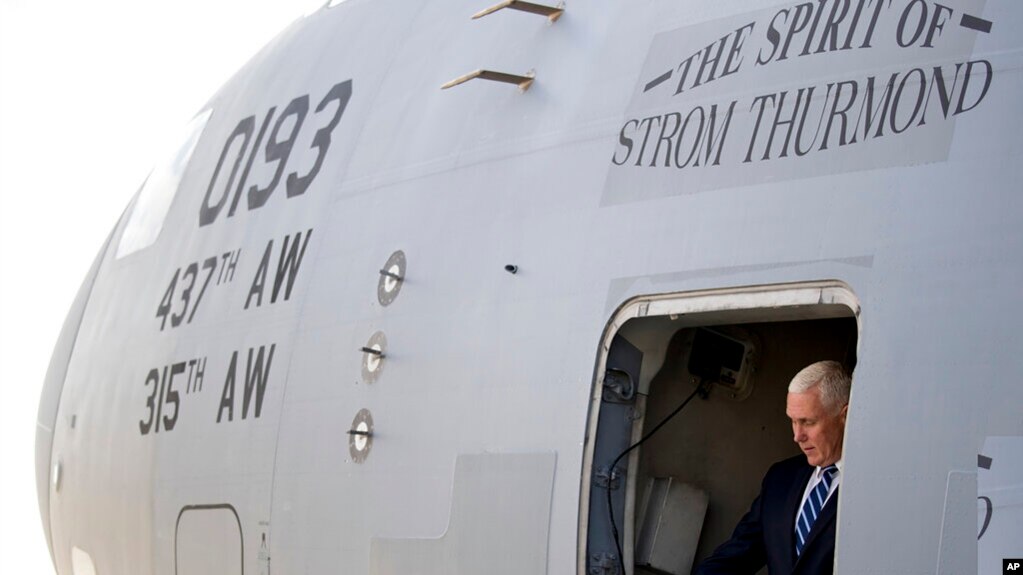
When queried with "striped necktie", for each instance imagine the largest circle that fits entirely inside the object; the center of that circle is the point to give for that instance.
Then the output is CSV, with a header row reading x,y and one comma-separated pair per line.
x,y
812,508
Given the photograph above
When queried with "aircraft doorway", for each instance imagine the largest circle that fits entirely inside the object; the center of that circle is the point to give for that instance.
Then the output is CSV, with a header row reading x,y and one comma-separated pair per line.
x,y
731,353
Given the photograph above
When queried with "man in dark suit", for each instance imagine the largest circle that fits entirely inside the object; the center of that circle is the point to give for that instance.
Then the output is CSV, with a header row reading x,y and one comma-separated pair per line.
x,y
790,527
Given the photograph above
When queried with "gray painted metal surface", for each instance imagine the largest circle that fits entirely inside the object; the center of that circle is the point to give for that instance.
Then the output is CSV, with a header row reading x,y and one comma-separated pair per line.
x,y
498,524
221,365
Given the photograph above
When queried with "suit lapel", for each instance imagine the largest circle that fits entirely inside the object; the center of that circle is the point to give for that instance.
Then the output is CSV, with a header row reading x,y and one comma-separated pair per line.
x,y
823,520
792,501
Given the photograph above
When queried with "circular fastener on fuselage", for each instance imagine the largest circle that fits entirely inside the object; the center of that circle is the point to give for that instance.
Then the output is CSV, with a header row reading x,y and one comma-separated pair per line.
x,y
360,436
373,355
392,276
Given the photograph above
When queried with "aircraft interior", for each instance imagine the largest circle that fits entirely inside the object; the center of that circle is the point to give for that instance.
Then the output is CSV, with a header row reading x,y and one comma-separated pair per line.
x,y
695,473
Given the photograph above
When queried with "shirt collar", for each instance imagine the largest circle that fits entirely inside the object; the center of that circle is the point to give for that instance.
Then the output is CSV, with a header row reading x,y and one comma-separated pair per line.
x,y
818,471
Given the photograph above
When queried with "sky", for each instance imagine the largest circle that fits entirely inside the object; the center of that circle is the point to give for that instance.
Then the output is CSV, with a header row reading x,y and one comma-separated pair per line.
x,y
90,92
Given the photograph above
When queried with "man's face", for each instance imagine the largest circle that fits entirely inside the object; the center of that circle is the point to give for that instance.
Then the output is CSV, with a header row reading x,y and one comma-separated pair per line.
x,y
818,432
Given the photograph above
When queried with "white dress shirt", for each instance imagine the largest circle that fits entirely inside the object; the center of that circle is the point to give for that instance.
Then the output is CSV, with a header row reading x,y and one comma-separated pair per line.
x,y
815,477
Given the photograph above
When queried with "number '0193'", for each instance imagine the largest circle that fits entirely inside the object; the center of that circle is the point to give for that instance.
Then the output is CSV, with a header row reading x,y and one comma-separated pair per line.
x,y
277,152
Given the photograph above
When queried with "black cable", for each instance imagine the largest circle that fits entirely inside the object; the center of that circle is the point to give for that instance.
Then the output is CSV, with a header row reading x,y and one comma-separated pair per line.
x,y
700,390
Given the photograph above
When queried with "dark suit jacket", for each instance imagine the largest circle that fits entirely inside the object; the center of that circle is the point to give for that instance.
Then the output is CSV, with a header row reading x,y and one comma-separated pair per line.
x,y
766,534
